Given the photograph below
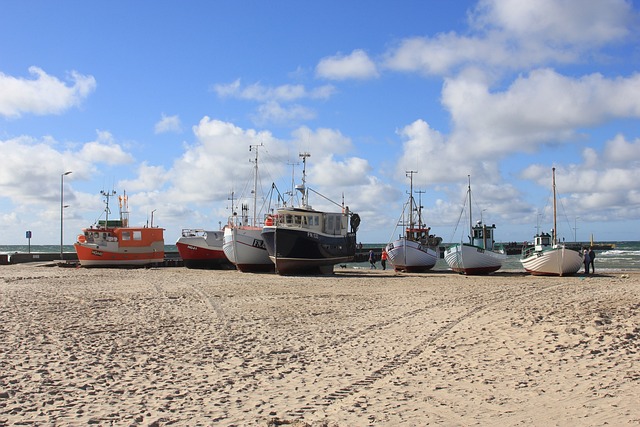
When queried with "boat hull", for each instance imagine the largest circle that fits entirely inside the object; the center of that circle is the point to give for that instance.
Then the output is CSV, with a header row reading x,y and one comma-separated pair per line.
x,y
299,251
411,256
473,260
203,251
558,261
244,247
91,255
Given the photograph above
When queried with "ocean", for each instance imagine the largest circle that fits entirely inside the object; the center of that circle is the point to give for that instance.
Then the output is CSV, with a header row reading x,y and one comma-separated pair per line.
x,y
624,256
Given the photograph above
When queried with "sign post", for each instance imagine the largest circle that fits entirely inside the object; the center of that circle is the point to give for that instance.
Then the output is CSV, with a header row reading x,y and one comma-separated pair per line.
x,y
29,240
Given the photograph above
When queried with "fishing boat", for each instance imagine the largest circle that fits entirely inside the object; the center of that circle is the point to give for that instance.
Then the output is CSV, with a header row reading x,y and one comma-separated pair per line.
x,y
548,257
202,249
479,256
113,243
415,250
243,244
302,240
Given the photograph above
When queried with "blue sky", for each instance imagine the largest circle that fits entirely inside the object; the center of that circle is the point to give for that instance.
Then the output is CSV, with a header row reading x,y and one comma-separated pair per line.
x,y
163,99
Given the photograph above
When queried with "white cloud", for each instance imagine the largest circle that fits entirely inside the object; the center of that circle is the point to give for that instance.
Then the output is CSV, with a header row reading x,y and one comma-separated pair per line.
x,y
274,112
44,94
538,108
559,22
356,65
168,124
149,178
104,150
282,93
512,35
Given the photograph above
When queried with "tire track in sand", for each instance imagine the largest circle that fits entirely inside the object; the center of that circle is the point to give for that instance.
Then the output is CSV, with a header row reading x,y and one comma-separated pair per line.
x,y
403,358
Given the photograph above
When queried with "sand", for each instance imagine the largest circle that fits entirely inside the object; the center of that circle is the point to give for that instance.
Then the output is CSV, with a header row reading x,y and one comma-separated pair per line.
x,y
173,346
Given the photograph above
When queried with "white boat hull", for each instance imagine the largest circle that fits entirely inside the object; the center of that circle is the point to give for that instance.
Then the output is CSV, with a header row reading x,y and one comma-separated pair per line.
x,y
469,259
557,261
244,247
410,256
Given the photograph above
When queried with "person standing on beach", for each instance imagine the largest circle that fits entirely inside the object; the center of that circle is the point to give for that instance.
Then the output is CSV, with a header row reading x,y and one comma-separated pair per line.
x,y
383,259
592,257
587,260
372,259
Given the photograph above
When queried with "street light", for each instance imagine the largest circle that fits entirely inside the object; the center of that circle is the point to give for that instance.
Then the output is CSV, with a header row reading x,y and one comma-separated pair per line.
x,y
62,206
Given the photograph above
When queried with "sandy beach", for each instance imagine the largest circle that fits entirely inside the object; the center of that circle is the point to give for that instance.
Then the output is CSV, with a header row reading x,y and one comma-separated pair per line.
x,y
173,346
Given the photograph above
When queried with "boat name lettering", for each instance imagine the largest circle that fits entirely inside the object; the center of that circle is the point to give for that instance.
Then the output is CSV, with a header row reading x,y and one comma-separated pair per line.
x,y
257,243
96,253
312,235
193,248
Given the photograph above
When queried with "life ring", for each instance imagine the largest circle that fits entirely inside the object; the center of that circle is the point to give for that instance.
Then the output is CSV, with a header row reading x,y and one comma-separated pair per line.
x,y
269,221
81,238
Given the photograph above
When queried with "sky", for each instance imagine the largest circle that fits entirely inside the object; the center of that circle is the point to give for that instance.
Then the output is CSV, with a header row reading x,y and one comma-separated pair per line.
x,y
164,99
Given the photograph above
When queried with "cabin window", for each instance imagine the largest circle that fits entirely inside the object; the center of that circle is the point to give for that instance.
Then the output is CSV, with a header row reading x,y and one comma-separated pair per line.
x,y
329,224
126,235
137,235
297,219
316,220
289,219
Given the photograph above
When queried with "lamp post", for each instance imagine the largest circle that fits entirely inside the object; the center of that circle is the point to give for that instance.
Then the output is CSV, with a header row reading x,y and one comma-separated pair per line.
x,y
62,206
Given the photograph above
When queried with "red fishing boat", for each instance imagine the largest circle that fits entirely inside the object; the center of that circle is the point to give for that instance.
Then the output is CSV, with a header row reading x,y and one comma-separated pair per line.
x,y
200,248
113,243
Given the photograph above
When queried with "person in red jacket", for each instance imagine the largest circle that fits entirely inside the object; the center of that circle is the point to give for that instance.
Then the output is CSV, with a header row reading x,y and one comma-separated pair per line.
x,y
383,259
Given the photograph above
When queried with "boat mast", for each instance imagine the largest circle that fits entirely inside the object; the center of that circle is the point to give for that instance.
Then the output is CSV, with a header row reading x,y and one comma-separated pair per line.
x,y
411,203
303,188
555,232
470,216
255,183
106,210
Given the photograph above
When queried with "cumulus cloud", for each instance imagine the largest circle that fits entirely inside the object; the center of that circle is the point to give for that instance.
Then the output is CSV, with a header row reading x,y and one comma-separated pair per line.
x,y
43,94
541,107
557,22
105,150
149,178
510,35
168,124
24,183
280,104
356,65
602,186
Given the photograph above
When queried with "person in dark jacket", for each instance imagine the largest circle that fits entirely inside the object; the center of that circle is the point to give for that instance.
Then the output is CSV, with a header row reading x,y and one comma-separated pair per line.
x,y
592,257
586,260
372,259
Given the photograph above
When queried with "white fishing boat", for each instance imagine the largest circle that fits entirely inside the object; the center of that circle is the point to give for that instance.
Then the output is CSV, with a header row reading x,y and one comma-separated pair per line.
x,y
479,255
243,243
415,250
548,257
302,240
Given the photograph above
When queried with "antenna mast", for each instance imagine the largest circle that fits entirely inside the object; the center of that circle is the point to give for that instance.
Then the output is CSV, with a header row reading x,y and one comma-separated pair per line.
x,y
303,188
255,182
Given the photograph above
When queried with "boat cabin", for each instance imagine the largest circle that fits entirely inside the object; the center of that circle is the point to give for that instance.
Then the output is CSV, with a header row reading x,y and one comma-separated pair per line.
x,y
482,235
542,241
318,222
